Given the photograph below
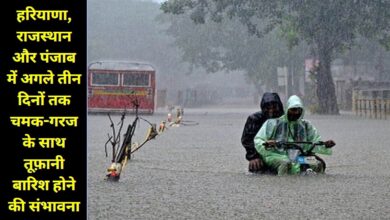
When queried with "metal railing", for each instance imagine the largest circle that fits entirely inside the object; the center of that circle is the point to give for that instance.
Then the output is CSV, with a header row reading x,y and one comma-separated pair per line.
x,y
372,108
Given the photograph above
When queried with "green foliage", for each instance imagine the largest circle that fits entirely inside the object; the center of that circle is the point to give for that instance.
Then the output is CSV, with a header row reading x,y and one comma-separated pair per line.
x,y
336,22
176,6
288,33
327,26
227,46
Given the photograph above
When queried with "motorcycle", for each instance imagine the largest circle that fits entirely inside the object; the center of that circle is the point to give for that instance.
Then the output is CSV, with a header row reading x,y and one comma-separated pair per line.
x,y
297,154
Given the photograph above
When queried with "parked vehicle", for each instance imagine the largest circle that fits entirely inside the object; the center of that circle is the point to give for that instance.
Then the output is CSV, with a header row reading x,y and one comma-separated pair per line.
x,y
113,85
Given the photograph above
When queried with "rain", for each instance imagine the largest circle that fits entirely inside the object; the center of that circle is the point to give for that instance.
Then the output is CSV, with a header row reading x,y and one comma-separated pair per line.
x,y
214,61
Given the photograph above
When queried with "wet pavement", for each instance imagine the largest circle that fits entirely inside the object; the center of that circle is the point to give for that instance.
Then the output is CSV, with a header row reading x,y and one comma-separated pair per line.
x,y
200,172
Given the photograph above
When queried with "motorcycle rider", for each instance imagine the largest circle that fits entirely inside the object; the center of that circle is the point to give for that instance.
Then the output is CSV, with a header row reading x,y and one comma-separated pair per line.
x,y
271,107
289,127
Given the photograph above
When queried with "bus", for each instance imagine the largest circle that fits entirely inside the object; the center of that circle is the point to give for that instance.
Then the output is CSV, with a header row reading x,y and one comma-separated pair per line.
x,y
113,86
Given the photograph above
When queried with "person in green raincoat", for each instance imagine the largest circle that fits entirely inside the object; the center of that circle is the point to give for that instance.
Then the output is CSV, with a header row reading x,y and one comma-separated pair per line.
x,y
289,127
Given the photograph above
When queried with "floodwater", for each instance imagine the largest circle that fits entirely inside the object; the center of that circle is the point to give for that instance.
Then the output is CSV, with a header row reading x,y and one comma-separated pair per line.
x,y
200,172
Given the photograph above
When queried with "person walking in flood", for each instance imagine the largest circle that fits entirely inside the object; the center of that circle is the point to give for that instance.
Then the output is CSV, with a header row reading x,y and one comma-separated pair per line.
x,y
271,107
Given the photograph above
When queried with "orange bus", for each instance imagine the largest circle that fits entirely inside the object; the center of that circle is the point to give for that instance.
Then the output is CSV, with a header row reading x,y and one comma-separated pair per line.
x,y
114,85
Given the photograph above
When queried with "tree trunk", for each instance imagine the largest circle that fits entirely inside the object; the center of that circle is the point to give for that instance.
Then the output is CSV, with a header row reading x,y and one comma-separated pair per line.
x,y
326,92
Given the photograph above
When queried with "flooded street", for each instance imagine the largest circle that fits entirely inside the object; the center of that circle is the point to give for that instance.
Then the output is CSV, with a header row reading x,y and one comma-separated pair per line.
x,y
200,172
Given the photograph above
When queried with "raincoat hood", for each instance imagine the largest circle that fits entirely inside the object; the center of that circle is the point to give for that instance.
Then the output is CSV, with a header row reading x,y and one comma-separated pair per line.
x,y
294,102
271,97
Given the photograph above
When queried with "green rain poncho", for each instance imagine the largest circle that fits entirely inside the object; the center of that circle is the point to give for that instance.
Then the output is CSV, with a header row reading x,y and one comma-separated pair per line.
x,y
281,129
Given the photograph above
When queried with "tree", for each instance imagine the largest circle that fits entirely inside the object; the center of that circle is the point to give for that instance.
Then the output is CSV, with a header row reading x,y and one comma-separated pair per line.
x,y
371,54
327,26
227,46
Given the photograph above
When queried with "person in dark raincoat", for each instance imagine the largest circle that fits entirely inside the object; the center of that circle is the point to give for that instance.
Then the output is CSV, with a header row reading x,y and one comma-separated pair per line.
x,y
271,107
289,127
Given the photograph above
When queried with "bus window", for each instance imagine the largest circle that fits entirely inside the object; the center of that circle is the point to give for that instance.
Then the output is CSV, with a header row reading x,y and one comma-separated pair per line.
x,y
105,79
136,79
